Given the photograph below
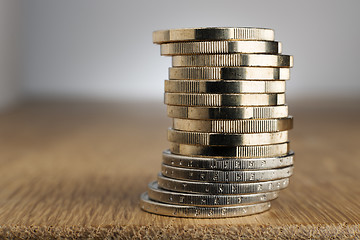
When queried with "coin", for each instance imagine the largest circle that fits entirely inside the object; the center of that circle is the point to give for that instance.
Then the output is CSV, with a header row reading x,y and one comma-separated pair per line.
x,y
224,86
218,176
222,163
160,195
218,100
233,60
227,112
234,126
226,139
220,47
229,142
229,73
273,150
212,33
200,212
221,188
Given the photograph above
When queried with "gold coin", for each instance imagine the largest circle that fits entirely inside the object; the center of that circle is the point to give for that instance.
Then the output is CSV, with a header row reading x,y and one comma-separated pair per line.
x,y
224,86
217,100
233,60
227,112
216,47
229,73
212,33
234,126
226,139
273,150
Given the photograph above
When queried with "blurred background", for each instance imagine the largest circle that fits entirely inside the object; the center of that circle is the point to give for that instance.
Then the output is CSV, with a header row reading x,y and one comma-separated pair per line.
x,y
102,50
82,123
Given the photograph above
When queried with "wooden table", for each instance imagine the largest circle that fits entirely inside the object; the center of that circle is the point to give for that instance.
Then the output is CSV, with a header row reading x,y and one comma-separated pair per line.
x,y
76,170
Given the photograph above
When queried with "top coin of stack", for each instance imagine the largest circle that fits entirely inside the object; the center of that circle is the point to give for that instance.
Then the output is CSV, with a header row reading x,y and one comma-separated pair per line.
x,y
229,150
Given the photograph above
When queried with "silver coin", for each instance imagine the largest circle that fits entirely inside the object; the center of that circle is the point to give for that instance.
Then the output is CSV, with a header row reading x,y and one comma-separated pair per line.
x,y
226,139
200,212
160,195
218,176
221,163
206,113
221,188
257,151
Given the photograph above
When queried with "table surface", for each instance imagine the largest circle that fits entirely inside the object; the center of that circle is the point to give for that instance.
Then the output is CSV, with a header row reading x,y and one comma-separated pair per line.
x,y
71,169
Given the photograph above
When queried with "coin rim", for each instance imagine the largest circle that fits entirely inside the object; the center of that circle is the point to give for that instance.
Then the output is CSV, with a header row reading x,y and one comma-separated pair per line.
x,y
232,60
167,35
162,195
255,163
222,148
236,188
145,202
227,139
239,126
247,175
247,112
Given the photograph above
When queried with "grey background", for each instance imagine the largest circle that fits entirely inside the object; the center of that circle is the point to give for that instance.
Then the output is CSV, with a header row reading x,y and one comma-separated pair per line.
x,y
10,68
103,49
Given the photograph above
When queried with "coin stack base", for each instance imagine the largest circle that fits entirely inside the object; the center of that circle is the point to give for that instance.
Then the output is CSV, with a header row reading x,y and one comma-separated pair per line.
x,y
229,152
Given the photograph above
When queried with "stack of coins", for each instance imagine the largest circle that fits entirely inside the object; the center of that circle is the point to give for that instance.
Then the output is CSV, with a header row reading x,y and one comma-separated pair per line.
x,y
229,151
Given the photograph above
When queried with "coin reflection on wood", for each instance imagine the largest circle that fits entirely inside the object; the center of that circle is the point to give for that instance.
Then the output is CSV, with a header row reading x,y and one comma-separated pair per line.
x,y
229,153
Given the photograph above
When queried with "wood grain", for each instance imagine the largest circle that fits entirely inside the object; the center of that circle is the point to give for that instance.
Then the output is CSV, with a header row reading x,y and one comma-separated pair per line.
x,y
76,170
